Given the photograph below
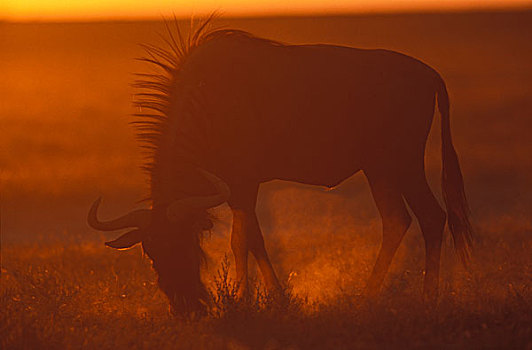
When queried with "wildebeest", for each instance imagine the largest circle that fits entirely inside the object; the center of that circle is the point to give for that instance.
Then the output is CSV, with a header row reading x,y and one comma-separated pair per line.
x,y
251,110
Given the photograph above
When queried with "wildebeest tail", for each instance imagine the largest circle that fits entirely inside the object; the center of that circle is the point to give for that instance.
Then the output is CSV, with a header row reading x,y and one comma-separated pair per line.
x,y
453,184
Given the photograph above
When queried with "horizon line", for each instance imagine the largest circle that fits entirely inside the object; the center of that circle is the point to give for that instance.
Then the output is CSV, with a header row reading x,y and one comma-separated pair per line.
x,y
284,14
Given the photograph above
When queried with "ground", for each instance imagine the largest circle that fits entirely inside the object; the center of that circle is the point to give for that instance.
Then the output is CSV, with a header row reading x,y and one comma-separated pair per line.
x,y
88,296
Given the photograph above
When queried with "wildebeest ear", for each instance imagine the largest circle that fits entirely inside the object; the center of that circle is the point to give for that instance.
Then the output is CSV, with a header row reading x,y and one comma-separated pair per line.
x,y
127,240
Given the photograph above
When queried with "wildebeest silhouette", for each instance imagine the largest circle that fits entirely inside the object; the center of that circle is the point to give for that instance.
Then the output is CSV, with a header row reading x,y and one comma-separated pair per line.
x,y
251,110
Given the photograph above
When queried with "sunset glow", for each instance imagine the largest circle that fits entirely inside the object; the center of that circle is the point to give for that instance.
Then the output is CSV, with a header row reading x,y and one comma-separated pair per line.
x,y
53,10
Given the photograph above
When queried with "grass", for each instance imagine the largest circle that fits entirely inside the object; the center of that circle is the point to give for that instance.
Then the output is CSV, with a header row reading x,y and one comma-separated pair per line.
x,y
82,295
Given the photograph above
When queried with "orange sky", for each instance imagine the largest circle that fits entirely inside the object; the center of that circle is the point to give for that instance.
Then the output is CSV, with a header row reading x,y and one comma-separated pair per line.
x,y
45,10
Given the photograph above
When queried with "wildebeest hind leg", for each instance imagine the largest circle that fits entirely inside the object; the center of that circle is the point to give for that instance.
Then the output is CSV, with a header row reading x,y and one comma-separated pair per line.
x,y
431,218
395,223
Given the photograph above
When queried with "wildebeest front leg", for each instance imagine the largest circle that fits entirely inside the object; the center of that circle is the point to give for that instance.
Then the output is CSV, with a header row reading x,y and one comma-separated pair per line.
x,y
239,246
247,236
256,246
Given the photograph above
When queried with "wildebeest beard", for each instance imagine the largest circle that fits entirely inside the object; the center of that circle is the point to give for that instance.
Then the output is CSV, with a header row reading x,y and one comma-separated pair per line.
x,y
177,257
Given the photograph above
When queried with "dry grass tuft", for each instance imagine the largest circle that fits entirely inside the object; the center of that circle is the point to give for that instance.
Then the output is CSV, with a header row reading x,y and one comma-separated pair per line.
x,y
87,296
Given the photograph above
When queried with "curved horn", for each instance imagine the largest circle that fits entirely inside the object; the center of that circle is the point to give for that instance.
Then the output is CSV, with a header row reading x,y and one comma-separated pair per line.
x,y
127,240
176,209
140,218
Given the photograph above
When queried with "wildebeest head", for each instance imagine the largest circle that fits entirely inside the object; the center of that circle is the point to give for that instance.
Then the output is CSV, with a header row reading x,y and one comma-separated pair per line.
x,y
170,235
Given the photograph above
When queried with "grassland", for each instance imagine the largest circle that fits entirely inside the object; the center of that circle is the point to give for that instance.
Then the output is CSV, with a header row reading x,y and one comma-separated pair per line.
x,y
71,296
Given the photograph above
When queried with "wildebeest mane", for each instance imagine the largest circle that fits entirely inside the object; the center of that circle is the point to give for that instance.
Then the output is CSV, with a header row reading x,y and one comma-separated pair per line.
x,y
161,130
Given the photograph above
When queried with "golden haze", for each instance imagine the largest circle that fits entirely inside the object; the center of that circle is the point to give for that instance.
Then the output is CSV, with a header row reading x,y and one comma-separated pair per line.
x,y
54,10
